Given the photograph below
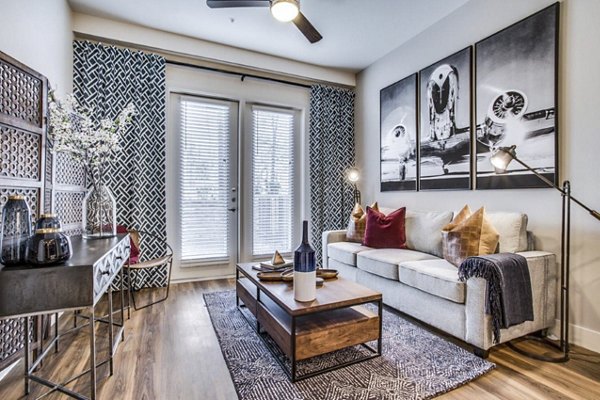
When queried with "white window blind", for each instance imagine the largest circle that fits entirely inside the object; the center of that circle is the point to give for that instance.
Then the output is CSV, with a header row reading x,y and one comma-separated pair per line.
x,y
272,180
204,180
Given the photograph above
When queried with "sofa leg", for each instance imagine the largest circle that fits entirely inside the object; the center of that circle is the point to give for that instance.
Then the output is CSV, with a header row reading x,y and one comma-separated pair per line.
x,y
481,353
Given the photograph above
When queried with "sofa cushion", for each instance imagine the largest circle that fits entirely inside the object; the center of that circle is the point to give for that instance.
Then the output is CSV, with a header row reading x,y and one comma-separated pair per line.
x,y
469,234
512,227
358,223
345,252
436,277
384,262
385,231
424,230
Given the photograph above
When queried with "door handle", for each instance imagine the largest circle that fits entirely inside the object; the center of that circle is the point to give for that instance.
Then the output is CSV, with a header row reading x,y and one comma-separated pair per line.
x,y
232,209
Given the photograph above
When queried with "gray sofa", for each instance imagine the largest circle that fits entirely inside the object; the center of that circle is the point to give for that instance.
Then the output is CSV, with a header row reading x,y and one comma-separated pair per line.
x,y
419,282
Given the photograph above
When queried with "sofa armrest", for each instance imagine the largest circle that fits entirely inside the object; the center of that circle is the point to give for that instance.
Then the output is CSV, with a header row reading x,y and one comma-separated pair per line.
x,y
331,237
543,271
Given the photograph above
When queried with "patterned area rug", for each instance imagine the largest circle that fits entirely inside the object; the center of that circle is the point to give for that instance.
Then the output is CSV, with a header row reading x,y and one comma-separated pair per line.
x,y
416,364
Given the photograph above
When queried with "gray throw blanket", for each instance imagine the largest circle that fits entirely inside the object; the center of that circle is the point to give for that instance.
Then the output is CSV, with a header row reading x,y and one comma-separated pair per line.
x,y
509,298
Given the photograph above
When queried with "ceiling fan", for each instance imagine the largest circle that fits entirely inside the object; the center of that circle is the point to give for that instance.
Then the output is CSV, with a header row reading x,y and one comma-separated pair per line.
x,y
283,10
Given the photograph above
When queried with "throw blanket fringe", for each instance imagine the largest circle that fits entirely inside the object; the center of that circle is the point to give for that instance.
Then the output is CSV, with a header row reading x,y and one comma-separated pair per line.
x,y
509,299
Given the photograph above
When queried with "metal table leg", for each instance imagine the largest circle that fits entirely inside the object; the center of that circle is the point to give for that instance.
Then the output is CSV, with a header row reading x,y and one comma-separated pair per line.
x,y
122,302
110,330
380,340
26,355
56,332
93,355
257,302
129,294
293,360
237,278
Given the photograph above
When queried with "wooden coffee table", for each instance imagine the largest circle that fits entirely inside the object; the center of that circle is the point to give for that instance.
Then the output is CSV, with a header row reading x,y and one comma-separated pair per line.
x,y
335,320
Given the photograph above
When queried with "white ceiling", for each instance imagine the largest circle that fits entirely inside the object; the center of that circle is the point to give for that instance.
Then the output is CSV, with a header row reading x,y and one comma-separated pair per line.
x,y
355,32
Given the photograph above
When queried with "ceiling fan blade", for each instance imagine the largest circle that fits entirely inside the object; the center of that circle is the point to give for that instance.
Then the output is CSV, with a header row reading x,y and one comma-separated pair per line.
x,y
307,28
237,3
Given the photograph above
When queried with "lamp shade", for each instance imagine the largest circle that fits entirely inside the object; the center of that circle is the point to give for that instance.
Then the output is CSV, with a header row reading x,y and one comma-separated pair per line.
x,y
353,175
502,157
285,10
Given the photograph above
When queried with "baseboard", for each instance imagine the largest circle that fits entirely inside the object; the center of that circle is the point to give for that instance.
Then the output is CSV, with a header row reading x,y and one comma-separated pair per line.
x,y
585,337
580,336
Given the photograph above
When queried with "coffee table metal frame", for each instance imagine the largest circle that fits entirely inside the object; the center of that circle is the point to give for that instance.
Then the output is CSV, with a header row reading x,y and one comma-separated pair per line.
x,y
291,371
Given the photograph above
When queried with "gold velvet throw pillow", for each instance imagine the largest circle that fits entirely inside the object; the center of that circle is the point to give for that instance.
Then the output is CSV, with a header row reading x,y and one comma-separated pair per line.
x,y
358,223
469,234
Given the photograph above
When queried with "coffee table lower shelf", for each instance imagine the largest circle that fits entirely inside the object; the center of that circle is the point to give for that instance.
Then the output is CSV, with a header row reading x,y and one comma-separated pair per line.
x,y
305,336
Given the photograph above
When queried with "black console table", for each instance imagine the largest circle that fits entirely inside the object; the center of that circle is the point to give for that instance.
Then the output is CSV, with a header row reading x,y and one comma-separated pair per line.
x,y
78,284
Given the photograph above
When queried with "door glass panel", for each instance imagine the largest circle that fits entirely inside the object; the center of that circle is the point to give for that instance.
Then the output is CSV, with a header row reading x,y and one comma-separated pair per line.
x,y
272,180
206,179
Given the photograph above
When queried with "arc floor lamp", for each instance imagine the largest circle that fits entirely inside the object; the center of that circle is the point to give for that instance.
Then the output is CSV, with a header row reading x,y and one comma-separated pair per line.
x,y
500,160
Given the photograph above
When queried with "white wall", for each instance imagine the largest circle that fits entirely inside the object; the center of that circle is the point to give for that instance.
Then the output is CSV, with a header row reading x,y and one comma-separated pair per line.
x,y
38,34
578,130
152,38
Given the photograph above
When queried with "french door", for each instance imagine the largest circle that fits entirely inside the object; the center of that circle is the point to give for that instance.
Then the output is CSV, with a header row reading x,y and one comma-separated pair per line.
x,y
236,181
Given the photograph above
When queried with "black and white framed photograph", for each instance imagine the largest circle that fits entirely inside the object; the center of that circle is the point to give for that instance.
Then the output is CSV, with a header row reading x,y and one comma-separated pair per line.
x,y
398,135
445,123
516,101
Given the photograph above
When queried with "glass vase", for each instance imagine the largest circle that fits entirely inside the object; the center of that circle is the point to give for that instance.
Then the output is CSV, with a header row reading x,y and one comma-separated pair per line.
x,y
16,230
99,213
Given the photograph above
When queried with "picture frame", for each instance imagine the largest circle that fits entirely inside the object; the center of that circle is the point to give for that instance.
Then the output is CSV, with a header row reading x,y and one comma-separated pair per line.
x,y
398,135
445,131
516,101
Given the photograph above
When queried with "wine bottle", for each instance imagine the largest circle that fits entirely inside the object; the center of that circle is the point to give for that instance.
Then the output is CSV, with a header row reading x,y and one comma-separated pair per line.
x,y
305,274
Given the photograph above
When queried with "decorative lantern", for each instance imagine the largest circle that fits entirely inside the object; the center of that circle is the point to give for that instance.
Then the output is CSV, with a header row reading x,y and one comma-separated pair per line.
x,y
49,245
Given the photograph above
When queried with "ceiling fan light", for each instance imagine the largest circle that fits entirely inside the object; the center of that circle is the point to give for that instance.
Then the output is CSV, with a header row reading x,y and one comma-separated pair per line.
x,y
285,10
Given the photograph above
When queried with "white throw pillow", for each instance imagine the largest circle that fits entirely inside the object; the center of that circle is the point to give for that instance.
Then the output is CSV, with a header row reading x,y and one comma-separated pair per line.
x,y
512,227
424,230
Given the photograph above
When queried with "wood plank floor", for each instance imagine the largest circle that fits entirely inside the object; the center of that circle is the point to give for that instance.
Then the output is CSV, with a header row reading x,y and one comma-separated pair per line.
x,y
170,352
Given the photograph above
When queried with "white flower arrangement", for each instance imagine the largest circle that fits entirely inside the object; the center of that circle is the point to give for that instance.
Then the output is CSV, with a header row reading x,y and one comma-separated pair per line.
x,y
73,131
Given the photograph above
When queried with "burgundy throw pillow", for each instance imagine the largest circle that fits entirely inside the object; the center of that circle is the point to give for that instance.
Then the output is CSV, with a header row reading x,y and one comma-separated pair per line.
x,y
385,231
